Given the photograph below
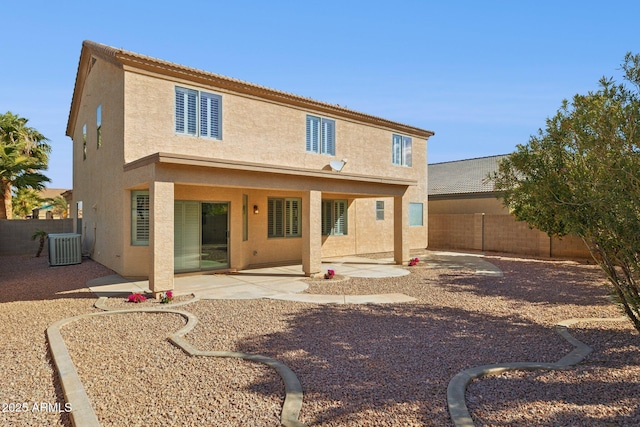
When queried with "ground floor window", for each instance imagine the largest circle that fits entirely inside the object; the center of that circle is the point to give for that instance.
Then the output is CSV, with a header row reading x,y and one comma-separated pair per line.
x,y
284,217
334,217
415,214
140,218
379,210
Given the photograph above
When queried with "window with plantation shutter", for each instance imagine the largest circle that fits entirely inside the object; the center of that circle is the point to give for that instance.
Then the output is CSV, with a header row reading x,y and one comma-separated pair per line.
x,y
140,218
275,219
292,220
313,133
198,113
284,217
321,135
334,217
210,115
327,216
401,150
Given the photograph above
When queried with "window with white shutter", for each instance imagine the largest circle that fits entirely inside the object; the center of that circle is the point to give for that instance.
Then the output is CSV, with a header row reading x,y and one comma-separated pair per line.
x,y
198,113
139,218
210,116
321,135
284,217
334,217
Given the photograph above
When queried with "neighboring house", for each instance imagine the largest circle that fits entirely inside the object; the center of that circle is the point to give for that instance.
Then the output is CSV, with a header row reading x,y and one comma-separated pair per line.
x,y
462,187
46,211
466,214
182,170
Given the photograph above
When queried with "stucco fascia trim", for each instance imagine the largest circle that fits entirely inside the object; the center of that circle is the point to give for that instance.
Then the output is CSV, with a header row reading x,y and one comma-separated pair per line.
x,y
169,158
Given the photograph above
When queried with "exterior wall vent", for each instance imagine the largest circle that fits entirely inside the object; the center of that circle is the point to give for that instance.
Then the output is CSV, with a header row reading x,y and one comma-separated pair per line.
x,y
65,249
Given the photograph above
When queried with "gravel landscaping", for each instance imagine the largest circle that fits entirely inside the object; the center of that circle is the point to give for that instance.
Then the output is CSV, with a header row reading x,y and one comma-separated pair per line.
x,y
378,365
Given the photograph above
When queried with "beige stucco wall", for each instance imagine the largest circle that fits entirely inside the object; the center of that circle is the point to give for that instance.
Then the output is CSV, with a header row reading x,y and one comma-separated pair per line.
x,y
468,205
97,180
142,123
365,233
255,130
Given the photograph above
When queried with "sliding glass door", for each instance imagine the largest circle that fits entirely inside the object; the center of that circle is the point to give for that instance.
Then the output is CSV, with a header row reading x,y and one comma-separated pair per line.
x,y
201,235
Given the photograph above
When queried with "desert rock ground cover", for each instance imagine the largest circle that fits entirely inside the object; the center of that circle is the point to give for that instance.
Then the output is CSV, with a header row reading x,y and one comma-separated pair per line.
x,y
358,364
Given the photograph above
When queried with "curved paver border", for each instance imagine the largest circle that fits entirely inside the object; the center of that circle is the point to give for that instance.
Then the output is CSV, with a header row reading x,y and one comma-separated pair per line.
x,y
83,413
456,390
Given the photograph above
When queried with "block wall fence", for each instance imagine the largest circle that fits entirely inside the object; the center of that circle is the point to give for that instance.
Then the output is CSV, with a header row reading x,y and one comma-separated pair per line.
x,y
15,234
499,233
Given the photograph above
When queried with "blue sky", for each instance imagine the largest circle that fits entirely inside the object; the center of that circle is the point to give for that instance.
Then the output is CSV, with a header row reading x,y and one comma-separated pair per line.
x,y
483,75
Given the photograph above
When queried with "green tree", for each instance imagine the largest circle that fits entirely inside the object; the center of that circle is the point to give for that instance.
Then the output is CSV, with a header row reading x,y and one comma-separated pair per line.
x,y
59,206
24,153
581,176
24,201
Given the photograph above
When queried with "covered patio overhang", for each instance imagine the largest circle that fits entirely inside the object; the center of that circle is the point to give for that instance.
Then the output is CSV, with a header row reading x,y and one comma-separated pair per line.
x,y
161,172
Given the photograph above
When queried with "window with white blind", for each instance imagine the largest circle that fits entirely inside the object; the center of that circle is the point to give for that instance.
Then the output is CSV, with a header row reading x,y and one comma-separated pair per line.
x,y
321,135
401,150
334,217
284,217
140,218
198,113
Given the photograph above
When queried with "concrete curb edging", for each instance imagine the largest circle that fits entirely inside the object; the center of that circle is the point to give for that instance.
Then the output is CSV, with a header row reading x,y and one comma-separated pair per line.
x,y
83,414
456,390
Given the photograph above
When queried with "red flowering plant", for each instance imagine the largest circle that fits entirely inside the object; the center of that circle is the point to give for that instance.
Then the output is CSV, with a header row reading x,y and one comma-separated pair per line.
x,y
136,297
413,261
166,297
329,274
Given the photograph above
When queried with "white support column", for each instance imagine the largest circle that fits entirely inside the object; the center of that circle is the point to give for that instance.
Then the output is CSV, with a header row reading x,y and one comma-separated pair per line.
x,y
312,233
401,229
161,199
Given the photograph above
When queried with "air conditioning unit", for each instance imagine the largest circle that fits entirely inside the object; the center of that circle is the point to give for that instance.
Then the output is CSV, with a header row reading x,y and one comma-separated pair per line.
x,y
65,249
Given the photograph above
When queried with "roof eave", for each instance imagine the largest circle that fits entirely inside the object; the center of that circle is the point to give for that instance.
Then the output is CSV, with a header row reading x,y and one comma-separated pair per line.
x,y
158,66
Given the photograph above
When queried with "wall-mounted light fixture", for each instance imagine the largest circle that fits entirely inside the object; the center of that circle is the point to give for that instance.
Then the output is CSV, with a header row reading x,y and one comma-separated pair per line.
x,y
255,209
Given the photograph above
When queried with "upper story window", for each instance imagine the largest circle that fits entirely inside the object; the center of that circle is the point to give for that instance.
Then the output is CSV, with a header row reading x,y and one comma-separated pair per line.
x,y
99,125
401,150
321,135
198,113
84,142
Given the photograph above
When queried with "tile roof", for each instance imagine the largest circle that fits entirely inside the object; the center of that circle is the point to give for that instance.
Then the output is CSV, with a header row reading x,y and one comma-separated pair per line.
x,y
462,176
142,62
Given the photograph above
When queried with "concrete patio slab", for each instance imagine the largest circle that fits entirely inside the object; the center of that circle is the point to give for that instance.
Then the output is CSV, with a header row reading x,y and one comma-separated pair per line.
x,y
286,282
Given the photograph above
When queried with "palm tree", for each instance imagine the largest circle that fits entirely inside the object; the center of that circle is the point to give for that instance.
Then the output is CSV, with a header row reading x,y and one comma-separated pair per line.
x,y
23,154
42,235
59,206
25,200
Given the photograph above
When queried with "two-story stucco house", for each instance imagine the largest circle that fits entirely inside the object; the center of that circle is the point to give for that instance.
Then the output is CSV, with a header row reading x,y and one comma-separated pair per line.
x,y
182,170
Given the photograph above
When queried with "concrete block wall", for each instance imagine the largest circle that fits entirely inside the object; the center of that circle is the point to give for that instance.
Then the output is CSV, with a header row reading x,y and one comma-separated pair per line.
x,y
15,234
499,233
